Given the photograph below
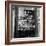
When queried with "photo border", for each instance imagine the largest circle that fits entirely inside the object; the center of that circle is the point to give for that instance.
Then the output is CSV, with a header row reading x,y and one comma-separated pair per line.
x,y
7,21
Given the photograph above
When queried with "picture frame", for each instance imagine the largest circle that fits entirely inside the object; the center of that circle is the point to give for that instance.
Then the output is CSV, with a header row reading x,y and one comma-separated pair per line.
x,y
18,12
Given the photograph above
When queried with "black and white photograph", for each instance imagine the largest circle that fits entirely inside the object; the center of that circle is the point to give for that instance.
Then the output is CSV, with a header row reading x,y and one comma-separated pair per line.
x,y
25,22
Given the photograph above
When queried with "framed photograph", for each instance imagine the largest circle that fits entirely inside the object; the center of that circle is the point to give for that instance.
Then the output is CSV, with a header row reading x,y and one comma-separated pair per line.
x,y
24,22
